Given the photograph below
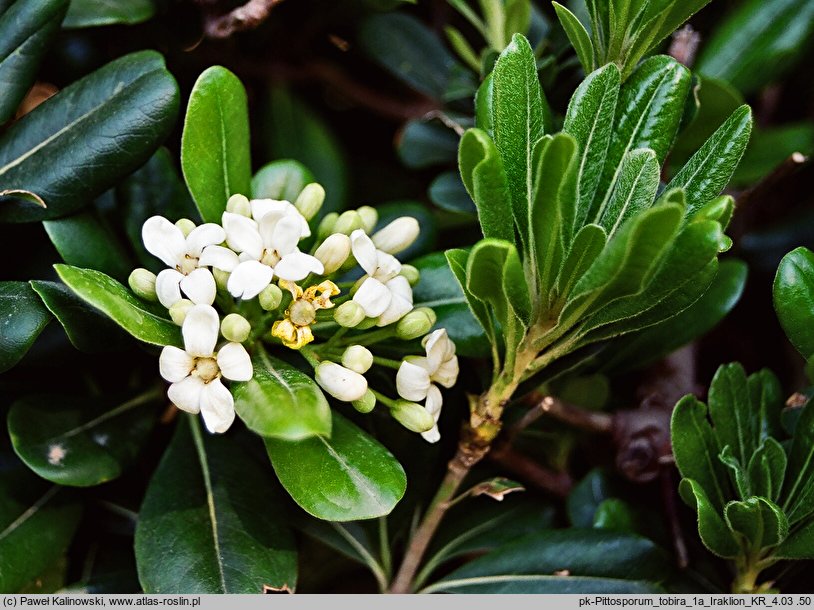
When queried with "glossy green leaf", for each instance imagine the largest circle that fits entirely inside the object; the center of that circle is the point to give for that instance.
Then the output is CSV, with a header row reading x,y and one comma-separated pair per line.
x,y
794,299
587,495
577,35
347,477
83,240
282,179
26,30
457,259
768,400
110,297
634,191
282,402
214,506
215,155
448,192
730,408
760,522
767,469
92,13
616,515
586,247
88,329
426,143
484,102
486,182
769,147
22,318
798,490
81,441
712,529
37,523
87,137
798,545
708,171
439,290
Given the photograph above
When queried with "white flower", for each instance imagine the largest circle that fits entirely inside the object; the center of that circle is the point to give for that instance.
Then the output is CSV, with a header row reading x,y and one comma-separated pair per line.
x,y
417,376
384,294
267,247
341,383
182,254
333,252
195,372
397,236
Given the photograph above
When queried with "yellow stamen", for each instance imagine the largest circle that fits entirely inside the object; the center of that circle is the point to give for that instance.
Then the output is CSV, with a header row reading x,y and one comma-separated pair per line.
x,y
292,336
295,330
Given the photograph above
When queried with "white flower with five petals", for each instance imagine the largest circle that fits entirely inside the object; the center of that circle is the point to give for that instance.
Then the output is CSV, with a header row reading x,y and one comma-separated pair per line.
x,y
417,376
195,372
183,257
384,294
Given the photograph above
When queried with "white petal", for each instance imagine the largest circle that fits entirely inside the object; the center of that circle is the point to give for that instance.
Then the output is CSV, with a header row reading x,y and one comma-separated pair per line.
x,y
200,330
205,235
248,279
447,373
217,407
439,348
412,381
234,362
219,258
164,240
242,235
398,308
297,265
339,382
286,234
200,286
433,406
167,287
373,296
261,207
387,266
399,286
174,364
364,251
432,435
186,394
333,252
397,236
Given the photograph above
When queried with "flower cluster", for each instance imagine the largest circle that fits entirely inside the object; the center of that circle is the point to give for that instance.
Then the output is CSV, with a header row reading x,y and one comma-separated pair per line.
x,y
261,277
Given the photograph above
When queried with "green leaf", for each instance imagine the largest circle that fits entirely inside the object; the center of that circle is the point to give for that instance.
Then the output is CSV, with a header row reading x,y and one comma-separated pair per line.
x,y
81,441
439,290
215,155
768,401
87,137
616,515
282,180
712,529
37,523
457,259
586,247
767,469
634,191
83,240
485,180
794,299
88,329
281,402
109,296
708,171
597,561
590,120
215,506
448,192
758,43
587,495
732,412
798,489
798,545
769,147
27,28
424,143
577,35
518,123
22,318
347,477
92,13
460,45
760,522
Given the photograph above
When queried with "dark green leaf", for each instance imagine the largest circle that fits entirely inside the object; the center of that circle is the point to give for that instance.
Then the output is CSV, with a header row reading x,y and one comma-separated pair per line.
x,y
616,515
22,318
769,147
587,495
91,13
282,180
426,143
794,299
767,469
83,140
448,192
760,522
799,544
634,191
715,534
215,155
798,489
577,35
215,508
767,403
587,245
732,412
457,259
347,477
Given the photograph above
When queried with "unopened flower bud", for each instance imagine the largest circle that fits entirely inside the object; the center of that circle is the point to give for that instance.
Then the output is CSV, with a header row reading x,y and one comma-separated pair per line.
x,y
349,314
348,222
333,252
341,383
270,297
416,324
366,323
221,278
412,416
310,200
239,204
178,312
186,225
411,273
142,283
235,328
326,225
369,218
397,236
357,358
366,403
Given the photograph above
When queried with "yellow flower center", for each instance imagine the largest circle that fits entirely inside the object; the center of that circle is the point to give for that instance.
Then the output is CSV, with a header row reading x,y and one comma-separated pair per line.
x,y
207,369
295,330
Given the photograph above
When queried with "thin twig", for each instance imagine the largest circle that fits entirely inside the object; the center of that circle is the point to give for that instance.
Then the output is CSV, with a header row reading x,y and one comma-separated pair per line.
x,y
245,17
529,471
684,45
590,421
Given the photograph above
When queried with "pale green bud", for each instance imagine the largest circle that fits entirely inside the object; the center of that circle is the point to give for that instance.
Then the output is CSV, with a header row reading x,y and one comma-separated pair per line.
x,y
412,416
366,403
333,252
366,323
186,225
357,358
142,283
310,200
270,297
411,273
178,312
416,324
221,278
235,328
369,217
348,222
326,225
349,314
239,204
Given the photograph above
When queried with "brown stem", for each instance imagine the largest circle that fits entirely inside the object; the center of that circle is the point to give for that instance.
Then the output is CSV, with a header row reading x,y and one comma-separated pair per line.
x,y
531,472
245,17
590,421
